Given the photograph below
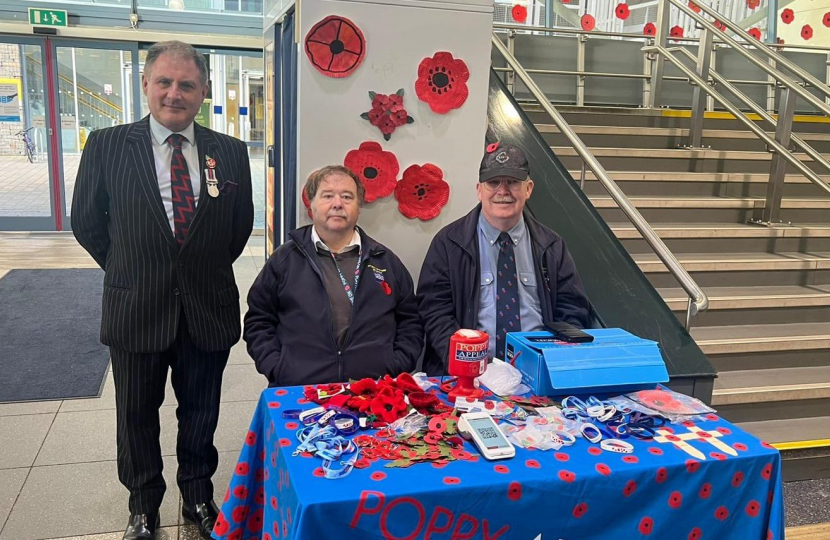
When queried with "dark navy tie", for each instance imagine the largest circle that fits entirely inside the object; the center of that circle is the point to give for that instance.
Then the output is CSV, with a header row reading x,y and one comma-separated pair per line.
x,y
508,318
184,203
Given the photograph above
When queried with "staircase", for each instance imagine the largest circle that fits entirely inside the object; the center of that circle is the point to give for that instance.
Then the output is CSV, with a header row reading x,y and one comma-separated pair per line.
x,y
767,330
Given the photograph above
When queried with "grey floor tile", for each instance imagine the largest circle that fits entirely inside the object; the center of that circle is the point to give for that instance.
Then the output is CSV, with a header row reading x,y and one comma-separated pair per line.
x,y
79,437
165,533
11,480
22,438
239,355
242,383
82,498
105,401
31,407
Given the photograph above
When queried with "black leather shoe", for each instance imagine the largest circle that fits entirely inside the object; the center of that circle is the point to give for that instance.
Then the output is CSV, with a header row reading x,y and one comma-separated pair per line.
x,y
142,527
202,515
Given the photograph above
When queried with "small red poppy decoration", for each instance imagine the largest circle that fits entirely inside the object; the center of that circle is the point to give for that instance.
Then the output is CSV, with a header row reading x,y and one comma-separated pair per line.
x,y
787,16
696,8
720,25
422,192
335,46
676,32
588,22
519,13
387,112
649,29
622,12
826,19
806,32
376,168
755,33
753,4
442,82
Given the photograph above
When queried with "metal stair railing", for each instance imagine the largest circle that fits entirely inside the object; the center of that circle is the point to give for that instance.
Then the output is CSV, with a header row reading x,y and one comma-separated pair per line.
x,y
699,77
698,301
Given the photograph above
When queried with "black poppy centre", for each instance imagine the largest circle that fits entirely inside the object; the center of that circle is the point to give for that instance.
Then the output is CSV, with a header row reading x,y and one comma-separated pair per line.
x,y
421,190
337,47
370,173
440,80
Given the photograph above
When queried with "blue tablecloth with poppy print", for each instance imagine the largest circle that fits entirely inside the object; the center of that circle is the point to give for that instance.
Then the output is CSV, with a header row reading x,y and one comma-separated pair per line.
x,y
578,492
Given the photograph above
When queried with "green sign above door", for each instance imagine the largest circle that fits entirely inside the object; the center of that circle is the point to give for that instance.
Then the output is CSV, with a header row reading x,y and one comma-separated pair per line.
x,y
47,17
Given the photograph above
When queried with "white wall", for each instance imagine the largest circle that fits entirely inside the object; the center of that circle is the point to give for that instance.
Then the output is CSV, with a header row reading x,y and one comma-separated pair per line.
x,y
399,34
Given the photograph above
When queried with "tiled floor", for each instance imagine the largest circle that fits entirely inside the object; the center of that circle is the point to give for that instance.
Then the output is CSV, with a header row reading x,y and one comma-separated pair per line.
x,y
57,459
24,186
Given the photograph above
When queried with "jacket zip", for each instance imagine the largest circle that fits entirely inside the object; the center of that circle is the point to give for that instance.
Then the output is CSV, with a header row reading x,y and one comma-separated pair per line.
x,y
363,264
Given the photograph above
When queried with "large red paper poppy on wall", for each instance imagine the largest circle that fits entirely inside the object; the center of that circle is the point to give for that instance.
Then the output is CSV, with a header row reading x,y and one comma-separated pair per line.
x,y
422,192
376,168
442,82
335,46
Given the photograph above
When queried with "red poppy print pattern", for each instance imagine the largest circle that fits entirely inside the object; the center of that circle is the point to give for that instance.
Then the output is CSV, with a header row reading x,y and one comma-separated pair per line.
x,y
442,82
787,16
376,168
646,526
422,192
335,46
806,32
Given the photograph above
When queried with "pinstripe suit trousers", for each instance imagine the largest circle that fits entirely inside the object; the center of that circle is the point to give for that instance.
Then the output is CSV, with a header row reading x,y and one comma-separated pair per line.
x,y
140,380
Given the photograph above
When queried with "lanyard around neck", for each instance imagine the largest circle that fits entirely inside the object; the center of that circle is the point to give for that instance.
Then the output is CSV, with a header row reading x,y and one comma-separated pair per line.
x,y
350,291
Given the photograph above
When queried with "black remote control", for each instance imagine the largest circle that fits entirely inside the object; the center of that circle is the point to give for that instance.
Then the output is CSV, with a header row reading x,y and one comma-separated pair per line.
x,y
569,333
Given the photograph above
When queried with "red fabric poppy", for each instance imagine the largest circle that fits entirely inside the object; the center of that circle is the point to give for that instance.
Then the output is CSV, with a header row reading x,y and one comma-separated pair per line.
x,y
806,32
406,382
753,4
646,526
753,508
519,13
376,168
422,192
755,33
720,25
340,400
649,29
695,7
363,386
359,403
387,113
388,408
335,46
442,82
787,16
676,31
622,12
588,22
826,20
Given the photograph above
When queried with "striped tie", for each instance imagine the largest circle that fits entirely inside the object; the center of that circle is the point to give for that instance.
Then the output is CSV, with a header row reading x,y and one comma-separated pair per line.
x,y
508,318
184,204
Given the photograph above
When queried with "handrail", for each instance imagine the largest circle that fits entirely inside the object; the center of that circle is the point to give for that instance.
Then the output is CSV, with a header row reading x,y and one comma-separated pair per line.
x,y
698,301
739,115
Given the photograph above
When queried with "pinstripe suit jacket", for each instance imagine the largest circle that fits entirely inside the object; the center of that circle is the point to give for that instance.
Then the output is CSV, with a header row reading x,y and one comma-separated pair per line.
x,y
119,218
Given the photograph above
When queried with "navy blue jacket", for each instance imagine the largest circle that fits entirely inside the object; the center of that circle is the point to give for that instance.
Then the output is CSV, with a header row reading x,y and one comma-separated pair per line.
x,y
289,329
448,289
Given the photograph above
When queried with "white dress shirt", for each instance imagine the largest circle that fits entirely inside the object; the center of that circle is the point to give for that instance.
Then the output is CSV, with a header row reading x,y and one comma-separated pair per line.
x,y
163,154
318,242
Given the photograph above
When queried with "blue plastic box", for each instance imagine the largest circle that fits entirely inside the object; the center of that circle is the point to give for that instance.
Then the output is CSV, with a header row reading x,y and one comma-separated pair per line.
x,y
616,361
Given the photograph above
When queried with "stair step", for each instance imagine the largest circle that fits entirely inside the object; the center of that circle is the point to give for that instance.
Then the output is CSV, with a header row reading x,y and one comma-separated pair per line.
x,y
721,262
763,338
672,176
724,230
772,297
789,430
712,202
670,132
790,384
677,153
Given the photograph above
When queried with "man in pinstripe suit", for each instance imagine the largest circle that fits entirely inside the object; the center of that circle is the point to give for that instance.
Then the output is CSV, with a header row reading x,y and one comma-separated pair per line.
x,y
164,206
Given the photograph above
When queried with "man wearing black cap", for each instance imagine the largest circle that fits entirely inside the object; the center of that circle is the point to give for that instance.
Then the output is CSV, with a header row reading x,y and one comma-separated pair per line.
x,y
497,269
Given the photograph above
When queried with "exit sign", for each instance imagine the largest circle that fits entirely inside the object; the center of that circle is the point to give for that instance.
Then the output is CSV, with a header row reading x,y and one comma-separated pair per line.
x,y
47,17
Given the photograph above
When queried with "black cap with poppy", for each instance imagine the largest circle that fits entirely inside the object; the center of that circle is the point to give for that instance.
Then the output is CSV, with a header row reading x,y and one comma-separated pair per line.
x,y
503,160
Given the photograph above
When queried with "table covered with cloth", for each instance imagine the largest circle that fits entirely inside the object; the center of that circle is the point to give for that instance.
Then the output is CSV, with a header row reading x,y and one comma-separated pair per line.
x,y
577,492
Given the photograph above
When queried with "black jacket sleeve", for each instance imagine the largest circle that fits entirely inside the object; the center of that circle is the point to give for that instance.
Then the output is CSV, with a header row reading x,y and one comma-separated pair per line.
x,y
409,334
262,321
90,203
435,302
243,212
572,305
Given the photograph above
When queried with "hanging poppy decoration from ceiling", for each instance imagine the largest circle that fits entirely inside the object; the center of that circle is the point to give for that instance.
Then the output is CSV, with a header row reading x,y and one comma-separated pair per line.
x,y
649,29
622,12
422,192
387,112
335,46
519,13
755,33
376,168
442,82
787,16
588,22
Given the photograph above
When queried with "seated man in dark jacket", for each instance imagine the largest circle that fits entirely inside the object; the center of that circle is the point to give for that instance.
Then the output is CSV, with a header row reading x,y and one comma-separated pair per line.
x,y
331,303
497,269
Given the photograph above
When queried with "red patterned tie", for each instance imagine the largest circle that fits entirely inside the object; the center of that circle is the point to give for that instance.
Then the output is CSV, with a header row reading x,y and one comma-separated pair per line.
x,y
184,204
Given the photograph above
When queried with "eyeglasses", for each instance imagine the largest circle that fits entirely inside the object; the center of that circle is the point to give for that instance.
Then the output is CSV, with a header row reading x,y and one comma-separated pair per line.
x,y
511,184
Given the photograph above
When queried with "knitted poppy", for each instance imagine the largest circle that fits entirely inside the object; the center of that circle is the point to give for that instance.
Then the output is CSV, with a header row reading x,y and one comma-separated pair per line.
x,y
588,22
442,82
676,31
519,13
787,16
376,169
359,403
826,19
335,46
363,386
806,32
696,8
622,12
752,4
422,192
388,406
649,29
755,33
387,112
406,382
